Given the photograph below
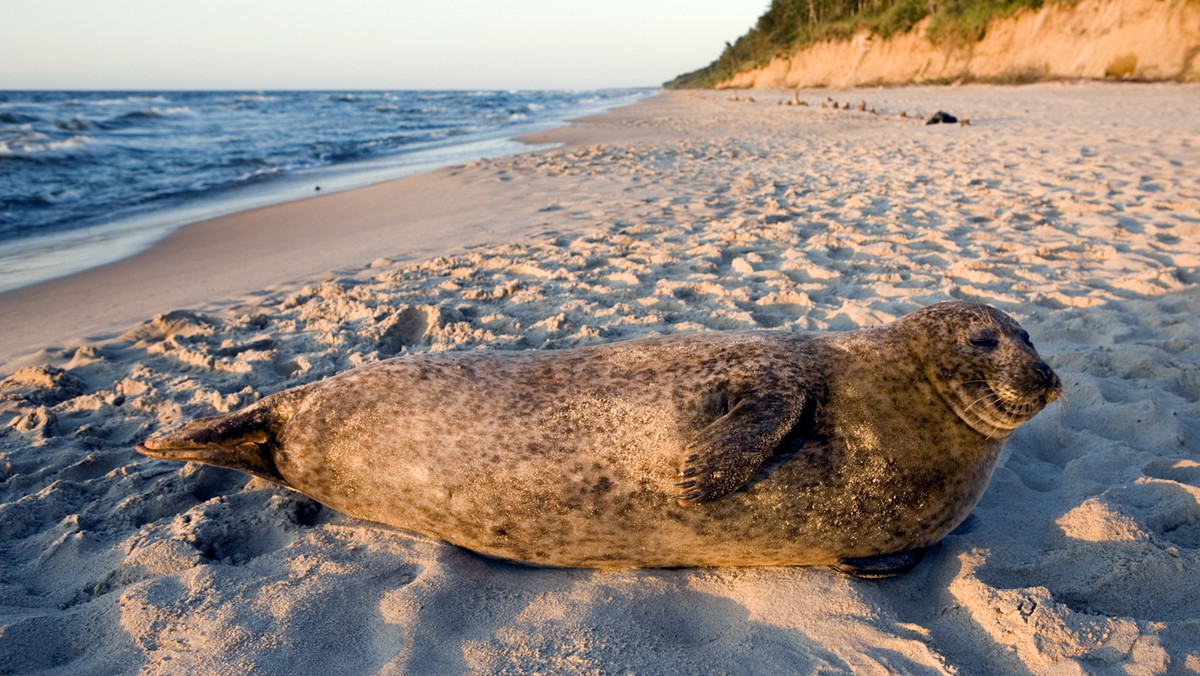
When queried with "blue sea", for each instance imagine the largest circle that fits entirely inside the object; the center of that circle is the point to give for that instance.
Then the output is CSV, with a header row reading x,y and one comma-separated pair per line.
x,y
87,178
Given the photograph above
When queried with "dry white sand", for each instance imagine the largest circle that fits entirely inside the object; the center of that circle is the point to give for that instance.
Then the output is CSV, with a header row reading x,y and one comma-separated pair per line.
x,y
1076,208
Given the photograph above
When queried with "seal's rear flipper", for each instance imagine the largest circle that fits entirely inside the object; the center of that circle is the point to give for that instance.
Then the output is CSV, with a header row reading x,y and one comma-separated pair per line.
x,y
885,565
244,440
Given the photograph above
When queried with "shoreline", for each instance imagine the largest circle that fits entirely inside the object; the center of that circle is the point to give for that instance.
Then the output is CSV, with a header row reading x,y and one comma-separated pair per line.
x,y
265,247
120,239
357,140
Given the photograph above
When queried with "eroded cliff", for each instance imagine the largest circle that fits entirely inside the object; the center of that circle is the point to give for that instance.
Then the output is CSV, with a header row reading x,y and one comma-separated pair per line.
x,y
1093,39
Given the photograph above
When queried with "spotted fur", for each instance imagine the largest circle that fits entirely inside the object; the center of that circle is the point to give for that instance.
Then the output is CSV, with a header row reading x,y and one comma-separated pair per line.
x,y
724,448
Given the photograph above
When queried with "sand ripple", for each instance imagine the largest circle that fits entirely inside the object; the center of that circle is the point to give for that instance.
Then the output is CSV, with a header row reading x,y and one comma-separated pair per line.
x,y
1076,208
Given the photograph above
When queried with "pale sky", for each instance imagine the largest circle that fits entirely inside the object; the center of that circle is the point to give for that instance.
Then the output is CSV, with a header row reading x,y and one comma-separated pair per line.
x,y
361,44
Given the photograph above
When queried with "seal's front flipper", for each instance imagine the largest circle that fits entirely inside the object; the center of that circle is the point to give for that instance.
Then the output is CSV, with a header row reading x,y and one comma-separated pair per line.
x,y
244,440
731,449
885,565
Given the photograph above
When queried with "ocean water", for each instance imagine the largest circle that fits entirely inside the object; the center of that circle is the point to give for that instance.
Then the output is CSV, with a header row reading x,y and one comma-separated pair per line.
x,y
87,178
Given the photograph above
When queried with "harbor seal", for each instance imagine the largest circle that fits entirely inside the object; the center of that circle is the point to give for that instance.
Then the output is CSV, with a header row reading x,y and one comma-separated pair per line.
x,y
856,449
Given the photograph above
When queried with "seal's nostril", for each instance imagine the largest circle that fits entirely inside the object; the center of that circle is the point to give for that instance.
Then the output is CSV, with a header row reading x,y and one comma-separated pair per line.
x,y
1043,369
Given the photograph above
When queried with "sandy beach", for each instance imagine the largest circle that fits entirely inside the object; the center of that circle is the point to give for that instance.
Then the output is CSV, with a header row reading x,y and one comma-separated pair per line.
x,y
1073,207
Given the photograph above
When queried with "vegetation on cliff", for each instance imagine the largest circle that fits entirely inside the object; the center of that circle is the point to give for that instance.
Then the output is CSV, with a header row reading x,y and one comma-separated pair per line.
x,y
791,25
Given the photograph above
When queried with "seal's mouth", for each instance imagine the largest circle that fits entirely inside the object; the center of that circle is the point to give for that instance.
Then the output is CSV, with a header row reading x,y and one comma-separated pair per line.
x,y
997,404
1017,402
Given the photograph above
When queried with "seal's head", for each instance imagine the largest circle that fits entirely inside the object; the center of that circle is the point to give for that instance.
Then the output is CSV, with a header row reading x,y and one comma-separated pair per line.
x,y
982,364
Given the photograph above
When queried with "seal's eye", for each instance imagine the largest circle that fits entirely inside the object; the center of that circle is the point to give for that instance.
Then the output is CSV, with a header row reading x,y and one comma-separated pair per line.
x,y
1024,336
984,340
